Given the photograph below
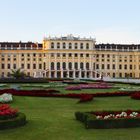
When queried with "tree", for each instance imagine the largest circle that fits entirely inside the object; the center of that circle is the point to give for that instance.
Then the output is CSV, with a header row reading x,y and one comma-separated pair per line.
x,y
17,74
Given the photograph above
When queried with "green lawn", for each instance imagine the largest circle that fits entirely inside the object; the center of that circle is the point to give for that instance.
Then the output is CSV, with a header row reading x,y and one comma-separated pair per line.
x,y
53,119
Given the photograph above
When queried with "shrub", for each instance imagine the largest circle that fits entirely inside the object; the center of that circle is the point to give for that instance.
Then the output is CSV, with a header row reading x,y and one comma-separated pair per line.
x,y
90,120
17,121
136,96
47,93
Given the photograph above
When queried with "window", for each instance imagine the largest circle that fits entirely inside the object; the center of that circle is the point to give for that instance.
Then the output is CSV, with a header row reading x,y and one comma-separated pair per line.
x,y
70,55
103,66
14,66
52,45
87,46
108,66
28,66
120,66
76,45
34,55
21,55
52,54
40,66
58,65
87,66
64,55
97,66
70,65
52,65
113,75
28,55
70,46
64,45
97,55
108,55
14,59
113,66
58,45
126,75
130,67
81,55
64,65
44,66
87,55
125,67
81,46
82,65
58,54
103,55
76,55
34,66
34,59
76,65
8,66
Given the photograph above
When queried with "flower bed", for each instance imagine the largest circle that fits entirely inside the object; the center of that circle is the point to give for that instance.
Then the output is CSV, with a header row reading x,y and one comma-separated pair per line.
x,y
109,119
7,112
6,98
10,118
90,86
47,93
136,95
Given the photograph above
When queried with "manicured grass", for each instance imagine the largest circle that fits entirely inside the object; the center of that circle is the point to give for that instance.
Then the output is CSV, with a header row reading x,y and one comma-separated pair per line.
x,y
53,119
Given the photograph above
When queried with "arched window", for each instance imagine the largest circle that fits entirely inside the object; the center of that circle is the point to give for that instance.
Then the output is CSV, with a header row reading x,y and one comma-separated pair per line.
x,y
64,45
44,66
81,65
76,65
52,65
52,45
70,46
87,46
70,65
81,46
58,65
64,65
76,45
87,66
58,45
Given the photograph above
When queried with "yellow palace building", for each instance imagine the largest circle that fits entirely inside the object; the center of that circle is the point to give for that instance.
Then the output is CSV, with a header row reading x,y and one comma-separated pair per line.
x,y
70,57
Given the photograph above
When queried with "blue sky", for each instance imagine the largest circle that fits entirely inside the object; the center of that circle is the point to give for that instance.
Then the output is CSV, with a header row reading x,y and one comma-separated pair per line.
x,y
109,21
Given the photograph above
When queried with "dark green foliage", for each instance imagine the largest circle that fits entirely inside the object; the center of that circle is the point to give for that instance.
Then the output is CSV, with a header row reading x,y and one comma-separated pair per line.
x,y
90,121
17,121
17,74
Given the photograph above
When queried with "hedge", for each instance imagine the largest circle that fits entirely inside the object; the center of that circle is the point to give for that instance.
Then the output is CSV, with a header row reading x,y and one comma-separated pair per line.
x,y
48,93
17,121
90,121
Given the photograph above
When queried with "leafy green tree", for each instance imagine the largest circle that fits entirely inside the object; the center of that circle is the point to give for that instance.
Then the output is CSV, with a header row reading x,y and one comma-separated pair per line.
x,y
17,74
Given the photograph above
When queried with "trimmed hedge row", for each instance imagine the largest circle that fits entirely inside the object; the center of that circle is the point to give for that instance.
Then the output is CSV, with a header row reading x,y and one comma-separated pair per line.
x,y
90,121
47,93
136,95
17,121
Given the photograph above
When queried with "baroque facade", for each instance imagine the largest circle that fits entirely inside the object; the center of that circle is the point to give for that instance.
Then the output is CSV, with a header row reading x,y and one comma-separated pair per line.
x,y
70,57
